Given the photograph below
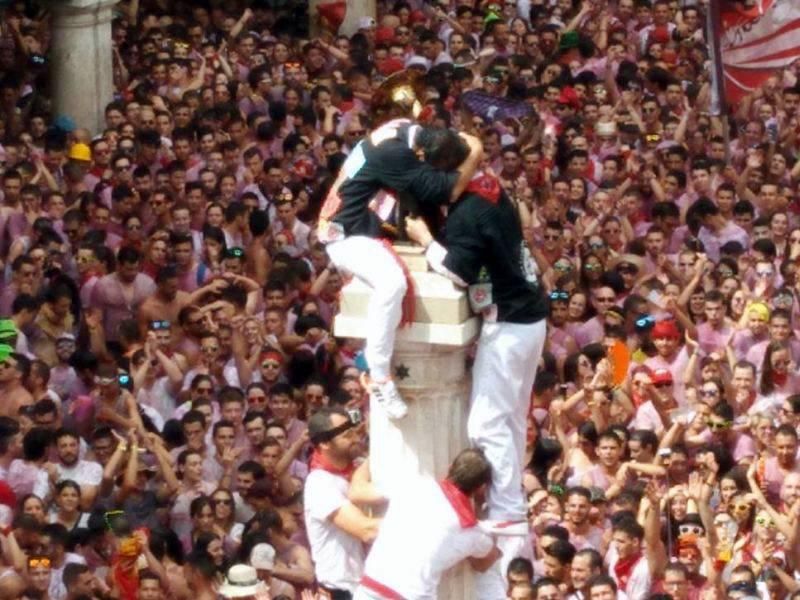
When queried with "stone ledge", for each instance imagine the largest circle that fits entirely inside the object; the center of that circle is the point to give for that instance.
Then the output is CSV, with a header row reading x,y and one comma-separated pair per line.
x,y
459,334
437,300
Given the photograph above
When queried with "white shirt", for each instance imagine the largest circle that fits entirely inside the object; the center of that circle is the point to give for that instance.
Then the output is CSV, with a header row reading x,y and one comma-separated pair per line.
x,y
338,556
57,589
638,587
420,538
83,472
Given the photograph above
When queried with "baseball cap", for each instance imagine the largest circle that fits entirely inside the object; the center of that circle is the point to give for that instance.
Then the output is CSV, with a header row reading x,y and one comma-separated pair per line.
x,y
384,34
417,61
262,556
7,329
665,329
366,23
661,376
389,66
64,123
569,97
5,351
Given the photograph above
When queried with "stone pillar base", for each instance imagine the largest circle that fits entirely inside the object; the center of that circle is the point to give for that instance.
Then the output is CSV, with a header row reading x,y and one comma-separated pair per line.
x,y
82,63
429,369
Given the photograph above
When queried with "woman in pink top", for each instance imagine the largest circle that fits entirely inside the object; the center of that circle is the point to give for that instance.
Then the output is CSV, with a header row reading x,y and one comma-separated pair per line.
x,y
779,376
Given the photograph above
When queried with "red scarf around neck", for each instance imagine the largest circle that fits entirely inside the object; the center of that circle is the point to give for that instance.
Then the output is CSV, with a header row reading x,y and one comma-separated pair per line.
x,y
486,186
624,568
461,504
318,461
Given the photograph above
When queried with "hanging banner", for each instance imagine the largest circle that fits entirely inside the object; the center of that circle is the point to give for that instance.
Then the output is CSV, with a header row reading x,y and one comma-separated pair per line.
x,y
756,42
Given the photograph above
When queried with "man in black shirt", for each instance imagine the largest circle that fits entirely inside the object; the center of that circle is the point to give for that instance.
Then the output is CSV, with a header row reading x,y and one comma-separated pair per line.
x,y
385,162
484,250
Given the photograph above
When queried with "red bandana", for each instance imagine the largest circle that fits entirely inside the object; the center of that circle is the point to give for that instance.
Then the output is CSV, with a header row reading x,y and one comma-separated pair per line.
x,y
460,503
624,568
318,461
485,186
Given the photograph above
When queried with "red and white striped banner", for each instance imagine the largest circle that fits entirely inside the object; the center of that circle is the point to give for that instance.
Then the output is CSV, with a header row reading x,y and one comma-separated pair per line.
x,y
757,42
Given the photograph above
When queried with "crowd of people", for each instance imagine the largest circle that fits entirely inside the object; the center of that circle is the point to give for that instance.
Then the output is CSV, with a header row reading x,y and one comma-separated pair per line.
x,y
177,417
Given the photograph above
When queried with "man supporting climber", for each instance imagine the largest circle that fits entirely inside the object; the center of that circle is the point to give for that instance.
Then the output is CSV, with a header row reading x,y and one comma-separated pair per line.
x,y
484,250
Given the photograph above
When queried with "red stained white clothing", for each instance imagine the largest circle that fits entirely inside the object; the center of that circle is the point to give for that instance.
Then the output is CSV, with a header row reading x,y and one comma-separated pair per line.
x,y
422,535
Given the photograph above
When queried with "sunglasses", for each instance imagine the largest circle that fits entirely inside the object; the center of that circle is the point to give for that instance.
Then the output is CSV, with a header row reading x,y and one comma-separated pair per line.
x,y
765,522
597,245
112,514
662,384
234,253
43,561
270,365
646,321
714,425
225,501
563,268
254,399
708,393
593,267
159,325
559,295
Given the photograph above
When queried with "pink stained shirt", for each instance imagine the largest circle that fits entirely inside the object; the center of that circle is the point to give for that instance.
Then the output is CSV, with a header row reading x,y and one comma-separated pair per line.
x,y
711,339
591,331
108,296
677,367
774,477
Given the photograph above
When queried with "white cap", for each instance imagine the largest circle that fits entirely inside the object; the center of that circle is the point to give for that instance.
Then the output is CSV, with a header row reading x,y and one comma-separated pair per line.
x,y
417,61
606,128
366,23
242,580
262,556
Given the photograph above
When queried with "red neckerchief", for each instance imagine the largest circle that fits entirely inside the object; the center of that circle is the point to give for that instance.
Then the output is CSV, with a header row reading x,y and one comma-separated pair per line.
x,y
318,461
460,503
87,276
486,186
624,568
779,379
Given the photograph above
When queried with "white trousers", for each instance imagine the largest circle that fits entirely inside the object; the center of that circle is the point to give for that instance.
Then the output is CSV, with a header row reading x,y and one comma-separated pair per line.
x,y
370,261
502,381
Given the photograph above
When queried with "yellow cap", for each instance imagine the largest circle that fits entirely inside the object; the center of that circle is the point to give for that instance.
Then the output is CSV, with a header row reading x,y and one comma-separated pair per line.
x,y
80,152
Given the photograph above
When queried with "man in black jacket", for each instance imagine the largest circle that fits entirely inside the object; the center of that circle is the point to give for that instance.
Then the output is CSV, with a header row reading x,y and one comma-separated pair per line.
x,y
483,249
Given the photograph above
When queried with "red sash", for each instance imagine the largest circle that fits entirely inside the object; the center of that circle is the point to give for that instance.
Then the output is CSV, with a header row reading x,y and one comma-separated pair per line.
x,y
380,589
460,502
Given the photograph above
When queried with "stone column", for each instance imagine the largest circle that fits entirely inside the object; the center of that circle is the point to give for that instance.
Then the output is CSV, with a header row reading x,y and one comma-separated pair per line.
x,y
81,60
429,365
355,10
